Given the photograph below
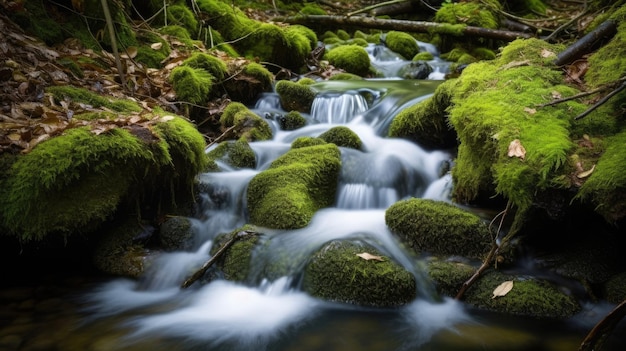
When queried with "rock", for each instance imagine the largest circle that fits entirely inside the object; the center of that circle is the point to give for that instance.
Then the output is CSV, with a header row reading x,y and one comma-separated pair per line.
x,y
415,70
336,273
176,234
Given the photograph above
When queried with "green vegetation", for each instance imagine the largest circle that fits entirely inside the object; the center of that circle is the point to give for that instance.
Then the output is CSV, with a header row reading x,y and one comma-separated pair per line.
x,y
438,228
351,58
294,187
80,95
402,43
191,84
295,96
238,154
292,121
342,136
449,276
211,64
336,273
470,13
245,122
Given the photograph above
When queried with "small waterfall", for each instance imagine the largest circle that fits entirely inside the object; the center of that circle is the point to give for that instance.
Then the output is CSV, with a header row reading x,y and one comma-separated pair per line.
x,y
337,108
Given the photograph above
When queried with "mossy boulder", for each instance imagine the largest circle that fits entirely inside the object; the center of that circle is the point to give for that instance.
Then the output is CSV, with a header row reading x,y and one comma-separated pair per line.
x,y
402,43
342,136
295,96
294,187
438,228
529,297
336,273
74,182
351,58
211,64
250,81
292,121
449,276
176,233
306,141
426,123
245,122
119,253
477,14
192,85
237,153
235,264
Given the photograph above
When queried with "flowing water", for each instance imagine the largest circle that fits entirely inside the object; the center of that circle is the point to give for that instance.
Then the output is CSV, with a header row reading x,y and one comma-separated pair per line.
x,y
153,313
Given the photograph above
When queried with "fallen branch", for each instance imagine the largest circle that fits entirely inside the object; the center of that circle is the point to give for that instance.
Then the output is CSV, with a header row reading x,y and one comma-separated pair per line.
x,y
402,25
586,44
599,333
602,101
200,272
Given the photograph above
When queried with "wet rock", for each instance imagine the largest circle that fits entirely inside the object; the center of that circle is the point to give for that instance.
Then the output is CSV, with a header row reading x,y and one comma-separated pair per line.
x,y
336,273
176,234
415,70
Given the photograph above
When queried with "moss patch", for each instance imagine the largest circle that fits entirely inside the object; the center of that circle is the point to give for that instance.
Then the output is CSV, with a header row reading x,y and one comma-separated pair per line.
x,y
402,43
295,96
336,273
342,136
438,227
245,122
295,186
351,58
236,153
80,95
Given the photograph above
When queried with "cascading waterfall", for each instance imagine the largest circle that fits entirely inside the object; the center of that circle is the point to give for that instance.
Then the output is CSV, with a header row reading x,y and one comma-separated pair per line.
x,y
260,314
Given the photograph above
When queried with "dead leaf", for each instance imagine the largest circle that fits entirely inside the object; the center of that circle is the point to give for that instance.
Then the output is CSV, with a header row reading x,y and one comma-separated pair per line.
x,y
586,174
516,149
545,53
368,256
502,289
556,95
529,110
156,46
131,52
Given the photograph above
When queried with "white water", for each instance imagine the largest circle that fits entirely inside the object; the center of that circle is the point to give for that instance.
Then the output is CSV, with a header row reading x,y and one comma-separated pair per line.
x,y
257,315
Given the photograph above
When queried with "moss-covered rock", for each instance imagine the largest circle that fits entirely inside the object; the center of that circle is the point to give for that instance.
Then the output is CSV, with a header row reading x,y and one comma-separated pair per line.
x,y
237,153
306,141
351,58
176,233
614,289
74,182
295,96
191,84
247,124
336,273
477,14
529,297
119,253
80,95
294,187
235,263
248,83
426,123
438,227
402,43
342,136
449,276
292,121
211,64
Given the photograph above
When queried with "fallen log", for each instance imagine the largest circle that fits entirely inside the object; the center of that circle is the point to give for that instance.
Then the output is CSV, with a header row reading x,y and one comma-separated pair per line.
x,y
403,25
596,337
586,44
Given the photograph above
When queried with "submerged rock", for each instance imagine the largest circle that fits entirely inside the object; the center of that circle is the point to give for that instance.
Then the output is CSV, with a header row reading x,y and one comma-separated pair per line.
x,y
337,273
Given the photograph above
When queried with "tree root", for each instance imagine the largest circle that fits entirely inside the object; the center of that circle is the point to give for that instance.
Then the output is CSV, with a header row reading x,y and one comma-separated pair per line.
x,y
600,332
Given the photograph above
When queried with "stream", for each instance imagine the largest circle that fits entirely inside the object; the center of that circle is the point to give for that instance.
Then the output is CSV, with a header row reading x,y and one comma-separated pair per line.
x,y
153,313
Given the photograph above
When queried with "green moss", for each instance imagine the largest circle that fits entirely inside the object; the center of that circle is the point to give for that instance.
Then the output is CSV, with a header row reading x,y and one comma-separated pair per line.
x,y
606,187
358,41
150,57
294,187
80,95
265,77
211,64
90,116
336,273
345,76
248,125
292,121
615,288
295,96
343,35
426,122
469,13
342,136
306,141
423,56
235,263
454,54
181,15
529,297
402,43
191,84
312,9
351,58
483,54
74,182
236,153
449,276
117,253
178,32
438,228
71,65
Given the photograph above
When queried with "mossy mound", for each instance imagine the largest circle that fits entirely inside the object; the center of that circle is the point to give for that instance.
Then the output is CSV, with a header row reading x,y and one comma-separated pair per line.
x,y
294,187
237,153
295,96
74,182
245,122
250,81
477,14
426,123
438,227
175,234
402,43
336,273
529,297
449,276
306,141
192,84
80,95
342,136
351,58
119,253
235,263
211,64
292,121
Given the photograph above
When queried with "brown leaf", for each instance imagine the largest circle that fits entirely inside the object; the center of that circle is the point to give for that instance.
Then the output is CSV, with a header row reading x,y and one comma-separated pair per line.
x,y
586,174
556,95
529,110
156,46
516,149
502,289
545,53
368,256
